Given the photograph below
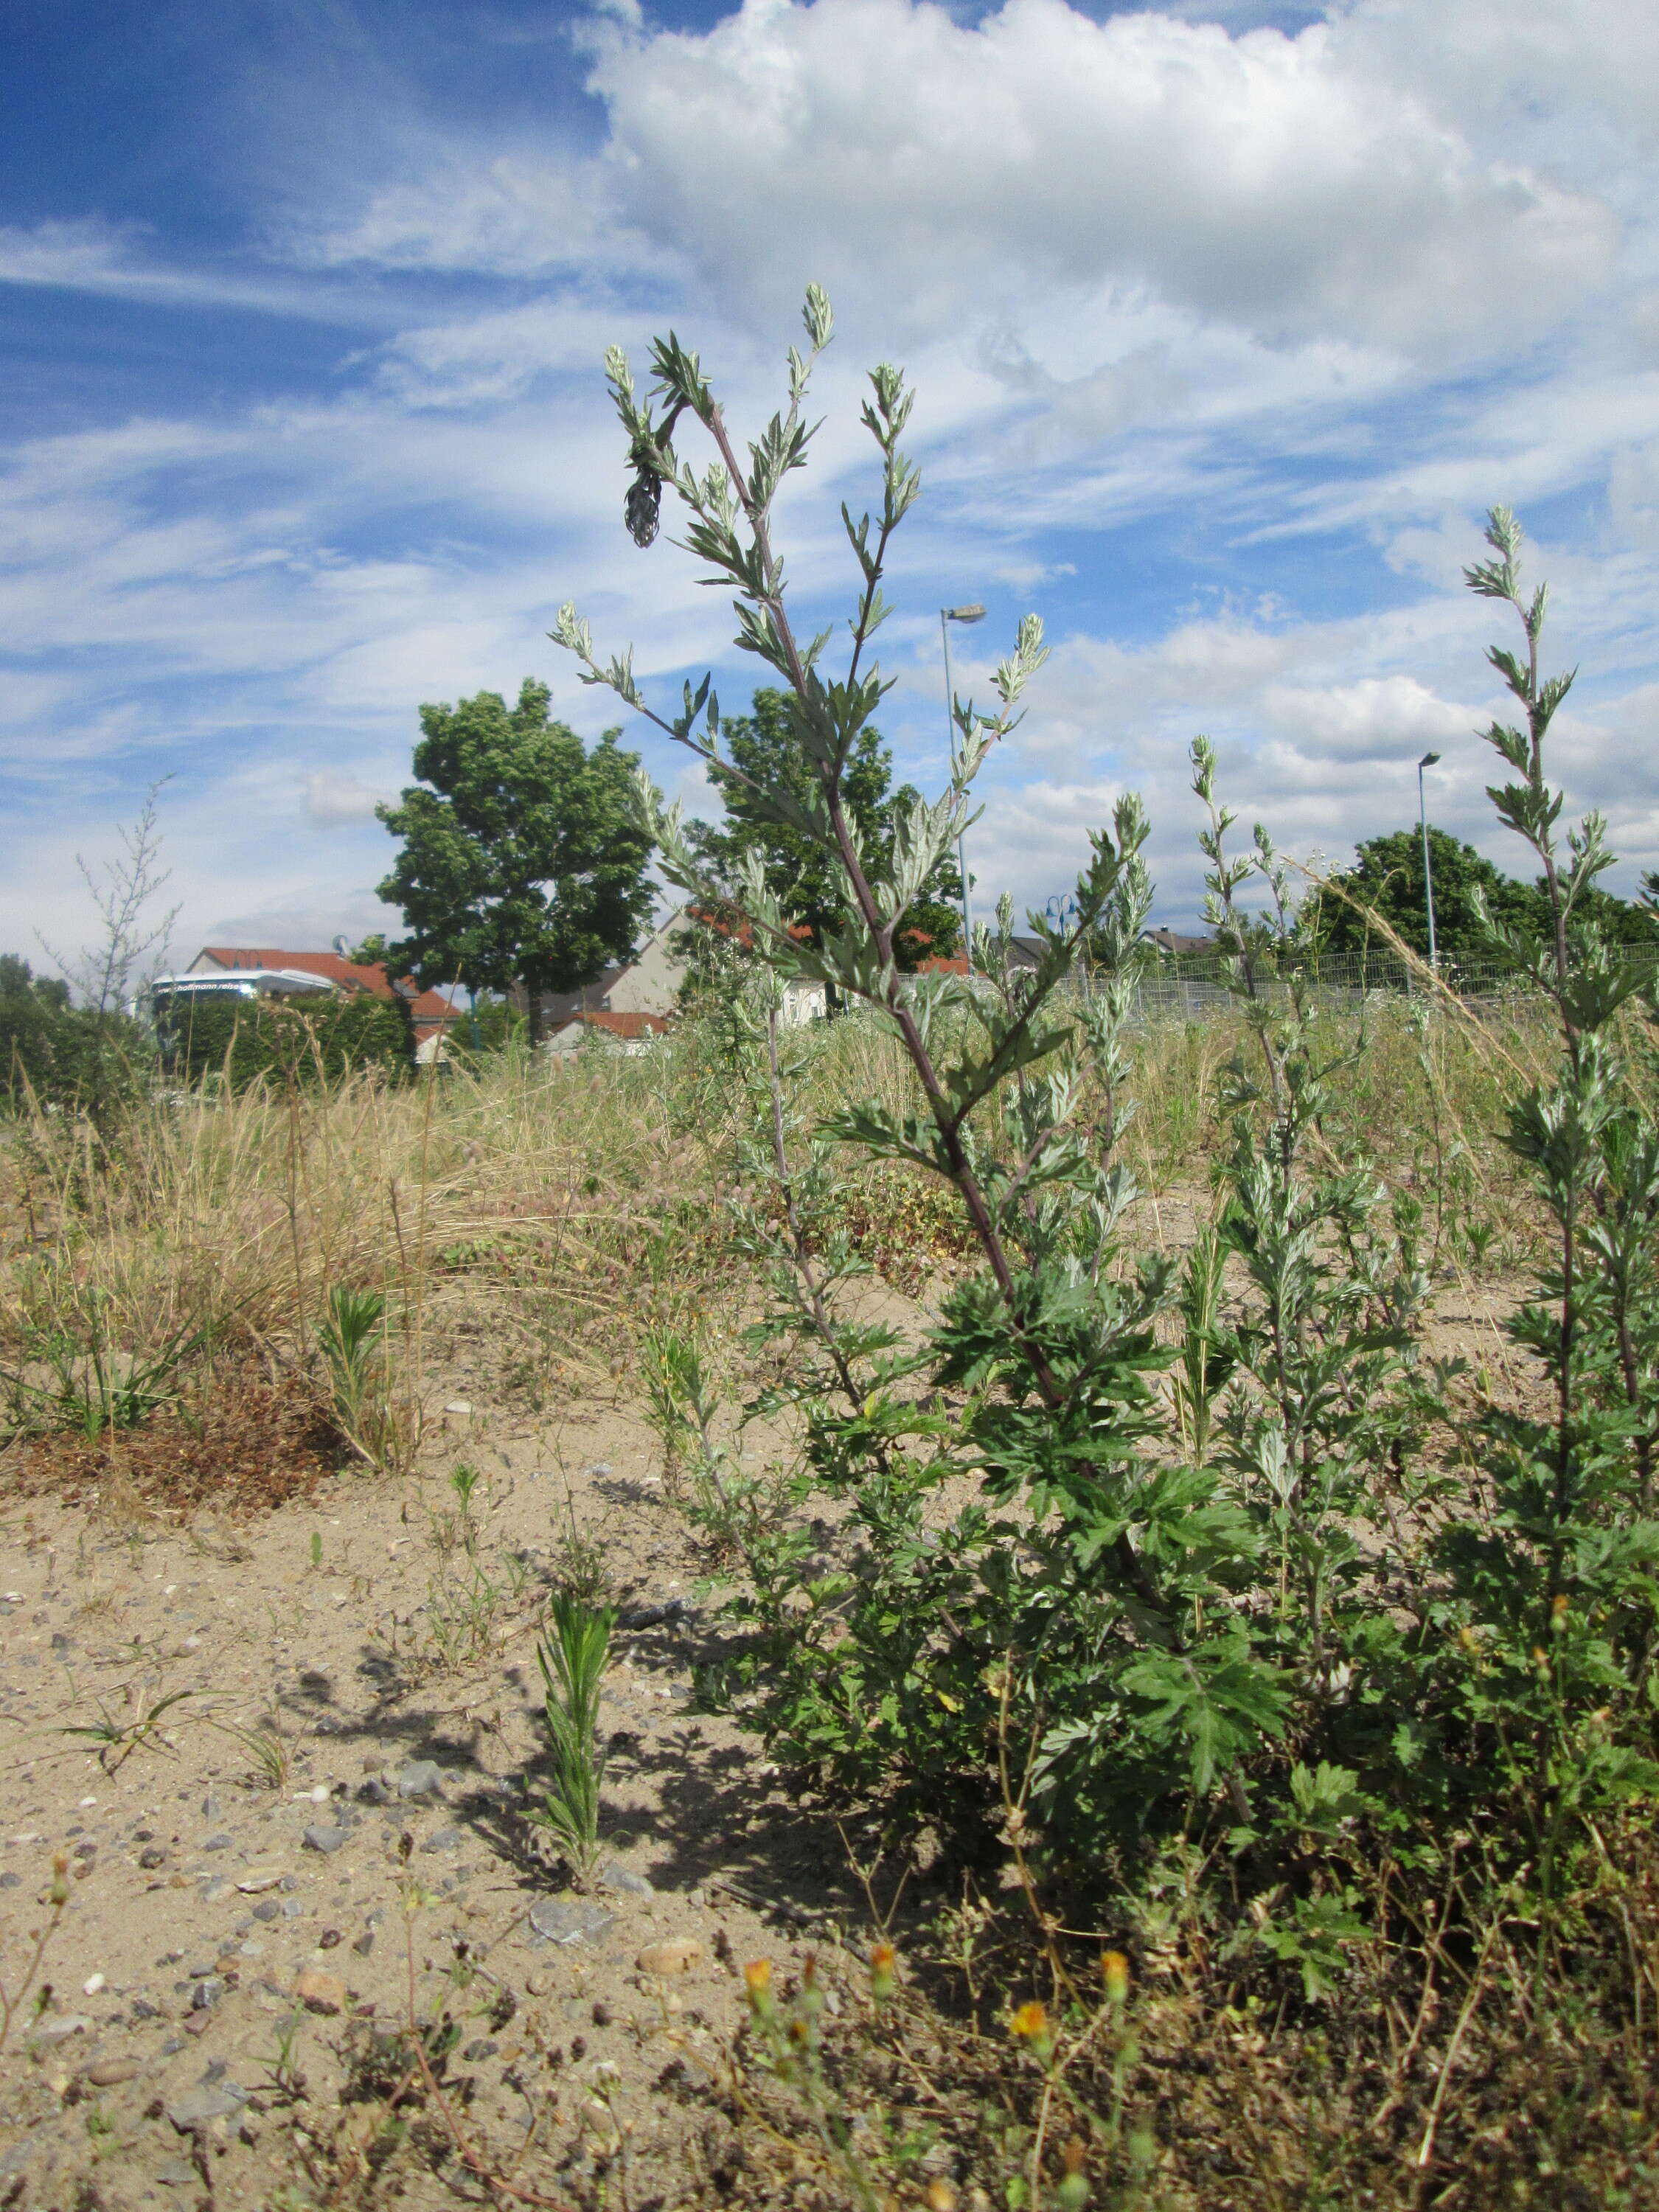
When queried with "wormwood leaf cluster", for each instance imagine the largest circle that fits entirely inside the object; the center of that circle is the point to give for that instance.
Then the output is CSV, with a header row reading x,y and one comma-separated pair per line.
x,y
1139,1551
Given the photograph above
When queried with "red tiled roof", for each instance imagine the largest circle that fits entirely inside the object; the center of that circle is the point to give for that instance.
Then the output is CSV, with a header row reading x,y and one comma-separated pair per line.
x,y
953,963
429,1008
623,1025
739,929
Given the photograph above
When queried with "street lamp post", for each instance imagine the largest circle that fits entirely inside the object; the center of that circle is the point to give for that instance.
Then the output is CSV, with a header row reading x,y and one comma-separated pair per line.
x,y
946,617
1427,761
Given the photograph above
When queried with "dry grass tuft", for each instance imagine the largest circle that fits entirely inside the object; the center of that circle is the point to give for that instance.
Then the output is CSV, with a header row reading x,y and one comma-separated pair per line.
x,y
243,1443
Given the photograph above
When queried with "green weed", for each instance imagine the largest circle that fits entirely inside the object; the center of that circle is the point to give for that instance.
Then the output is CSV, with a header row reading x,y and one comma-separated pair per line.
x,y
573,1660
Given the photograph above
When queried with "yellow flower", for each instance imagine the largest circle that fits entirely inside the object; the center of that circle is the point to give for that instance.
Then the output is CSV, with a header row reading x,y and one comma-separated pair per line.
x,y
1558,1612
757,1978
1030,2024
883,1971
1114,1973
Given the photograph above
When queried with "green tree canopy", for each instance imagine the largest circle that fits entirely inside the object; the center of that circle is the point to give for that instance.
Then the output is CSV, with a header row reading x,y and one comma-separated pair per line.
x,y
1386,880
63,1055
522,861
763,747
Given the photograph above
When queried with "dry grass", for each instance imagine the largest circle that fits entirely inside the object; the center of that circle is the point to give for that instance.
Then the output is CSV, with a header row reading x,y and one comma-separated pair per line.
x,y
243,1443
557,1208
1473,2084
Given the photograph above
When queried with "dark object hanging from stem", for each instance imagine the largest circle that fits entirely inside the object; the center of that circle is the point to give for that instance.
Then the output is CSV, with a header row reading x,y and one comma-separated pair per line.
x,y
643,505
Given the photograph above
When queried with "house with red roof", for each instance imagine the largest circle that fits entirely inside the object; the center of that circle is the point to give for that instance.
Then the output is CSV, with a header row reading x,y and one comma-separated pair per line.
x,y
632,1031
432,1012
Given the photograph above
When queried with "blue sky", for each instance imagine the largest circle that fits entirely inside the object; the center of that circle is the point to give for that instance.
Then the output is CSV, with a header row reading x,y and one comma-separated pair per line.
x,y
1228,324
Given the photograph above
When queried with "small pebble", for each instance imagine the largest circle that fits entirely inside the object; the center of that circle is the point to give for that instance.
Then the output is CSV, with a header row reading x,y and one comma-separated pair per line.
x,y
675,1956
328,1939
197,2106
320,1992
107,2073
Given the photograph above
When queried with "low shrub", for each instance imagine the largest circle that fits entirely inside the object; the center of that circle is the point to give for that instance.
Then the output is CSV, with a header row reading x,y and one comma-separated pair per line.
x,y
65,1057
248,1040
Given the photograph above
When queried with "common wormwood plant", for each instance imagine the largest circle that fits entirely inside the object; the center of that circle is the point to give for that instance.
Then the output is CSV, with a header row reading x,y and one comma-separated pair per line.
x,y
1053,1343
1235,1562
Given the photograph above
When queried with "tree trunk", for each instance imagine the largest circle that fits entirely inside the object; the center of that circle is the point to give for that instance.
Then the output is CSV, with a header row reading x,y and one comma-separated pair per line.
x,y
533,1008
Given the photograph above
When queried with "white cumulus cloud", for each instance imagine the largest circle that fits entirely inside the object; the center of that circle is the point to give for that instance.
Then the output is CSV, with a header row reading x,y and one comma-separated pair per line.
x,y
1270,181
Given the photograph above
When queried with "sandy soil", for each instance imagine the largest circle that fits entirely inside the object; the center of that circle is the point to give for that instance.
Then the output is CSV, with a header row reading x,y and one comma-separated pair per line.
x,y
201,1894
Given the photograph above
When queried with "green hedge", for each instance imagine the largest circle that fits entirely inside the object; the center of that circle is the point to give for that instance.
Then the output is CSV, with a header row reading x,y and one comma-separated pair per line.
x,y
61,1055
319,1040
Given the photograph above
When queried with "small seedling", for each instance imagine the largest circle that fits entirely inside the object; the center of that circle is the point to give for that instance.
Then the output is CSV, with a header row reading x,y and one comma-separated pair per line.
x,y
283,2073
573,1661
270,1755
464,1481
353,1346
581,1564
316,1547
12,2000
460,1526
117,1740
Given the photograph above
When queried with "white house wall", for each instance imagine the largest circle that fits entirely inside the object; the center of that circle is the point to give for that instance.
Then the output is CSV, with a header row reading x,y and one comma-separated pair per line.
x,y
650,984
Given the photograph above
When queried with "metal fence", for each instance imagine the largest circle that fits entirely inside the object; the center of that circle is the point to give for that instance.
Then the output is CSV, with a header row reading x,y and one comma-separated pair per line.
x,y
1192,988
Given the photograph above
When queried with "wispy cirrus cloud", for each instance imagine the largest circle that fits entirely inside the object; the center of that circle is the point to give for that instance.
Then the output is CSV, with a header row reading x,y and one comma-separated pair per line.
x,y
119,262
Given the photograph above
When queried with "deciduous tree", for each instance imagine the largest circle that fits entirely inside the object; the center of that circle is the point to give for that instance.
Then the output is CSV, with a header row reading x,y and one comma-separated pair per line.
x,y
522,861
766,758
1387,880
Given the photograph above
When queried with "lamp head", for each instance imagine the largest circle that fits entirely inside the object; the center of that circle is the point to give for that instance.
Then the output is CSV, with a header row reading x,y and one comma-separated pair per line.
x,y
971,614
1428,759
